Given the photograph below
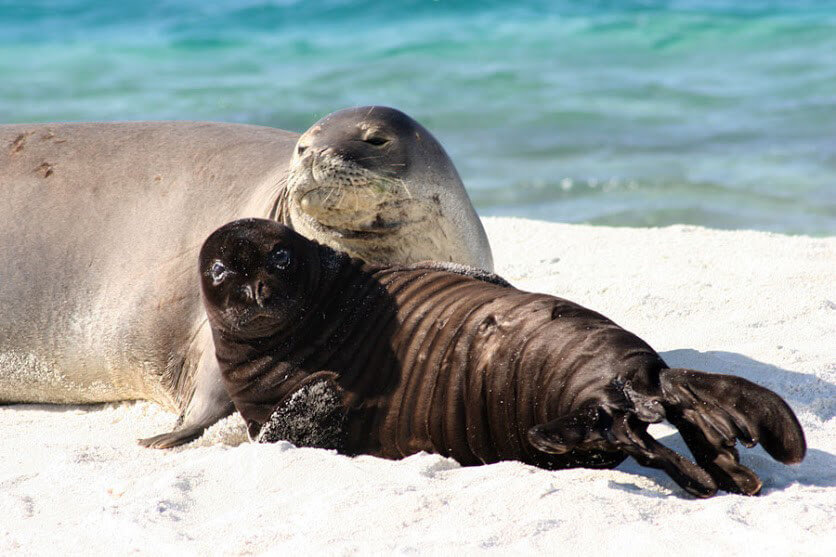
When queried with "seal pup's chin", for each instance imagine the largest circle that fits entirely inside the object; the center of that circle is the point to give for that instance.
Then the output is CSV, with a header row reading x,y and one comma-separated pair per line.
x,y
252,322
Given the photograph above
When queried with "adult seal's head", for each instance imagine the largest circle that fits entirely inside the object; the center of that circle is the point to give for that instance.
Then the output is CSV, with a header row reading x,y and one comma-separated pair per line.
x,y
374,182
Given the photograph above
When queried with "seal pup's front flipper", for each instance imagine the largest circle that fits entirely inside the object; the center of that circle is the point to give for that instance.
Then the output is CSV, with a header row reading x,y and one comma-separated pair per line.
x,y
310,416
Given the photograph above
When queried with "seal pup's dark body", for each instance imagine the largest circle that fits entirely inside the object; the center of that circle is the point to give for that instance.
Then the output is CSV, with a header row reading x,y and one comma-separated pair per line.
x,y
425,358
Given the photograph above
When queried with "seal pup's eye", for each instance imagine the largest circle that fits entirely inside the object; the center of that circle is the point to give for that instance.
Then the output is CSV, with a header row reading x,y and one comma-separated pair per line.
x,y
280,258
376,140
218,272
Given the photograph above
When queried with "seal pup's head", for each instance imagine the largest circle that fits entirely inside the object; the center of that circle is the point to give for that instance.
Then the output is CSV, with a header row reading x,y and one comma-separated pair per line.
x,y
257,277
374,182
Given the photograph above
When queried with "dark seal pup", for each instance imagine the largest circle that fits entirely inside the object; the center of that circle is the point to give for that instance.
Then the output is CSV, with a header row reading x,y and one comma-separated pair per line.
x,y
396,360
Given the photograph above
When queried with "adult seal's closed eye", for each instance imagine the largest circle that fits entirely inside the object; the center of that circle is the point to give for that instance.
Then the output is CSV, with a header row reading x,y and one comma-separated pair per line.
x,y
425,359
101,224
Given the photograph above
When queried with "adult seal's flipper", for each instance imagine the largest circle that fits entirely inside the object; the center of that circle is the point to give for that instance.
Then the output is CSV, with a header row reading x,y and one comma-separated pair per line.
x,y
208,404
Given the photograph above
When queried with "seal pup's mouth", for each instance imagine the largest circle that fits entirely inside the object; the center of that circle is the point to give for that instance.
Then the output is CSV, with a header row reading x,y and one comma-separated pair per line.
x,y
252,322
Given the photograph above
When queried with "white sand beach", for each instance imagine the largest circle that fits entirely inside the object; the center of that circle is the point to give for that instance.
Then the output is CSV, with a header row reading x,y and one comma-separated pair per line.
x,y
73,480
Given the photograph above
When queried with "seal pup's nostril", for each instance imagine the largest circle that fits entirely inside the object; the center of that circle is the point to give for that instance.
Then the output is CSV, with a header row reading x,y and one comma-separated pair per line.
x,y
246,292
262,293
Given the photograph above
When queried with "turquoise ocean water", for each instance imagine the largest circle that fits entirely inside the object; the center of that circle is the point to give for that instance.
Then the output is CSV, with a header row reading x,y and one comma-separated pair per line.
x,y
640,113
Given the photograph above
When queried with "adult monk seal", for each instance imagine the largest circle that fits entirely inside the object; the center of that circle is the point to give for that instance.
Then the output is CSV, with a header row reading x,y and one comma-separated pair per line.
x,y
100,226
425,359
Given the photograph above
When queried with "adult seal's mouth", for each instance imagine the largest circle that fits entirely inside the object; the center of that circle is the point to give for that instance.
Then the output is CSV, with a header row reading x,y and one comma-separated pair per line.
x,y
357,212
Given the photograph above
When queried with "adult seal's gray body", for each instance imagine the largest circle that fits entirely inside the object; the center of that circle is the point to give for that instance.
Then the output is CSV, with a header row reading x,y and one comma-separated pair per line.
x,y
101,224
425,359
